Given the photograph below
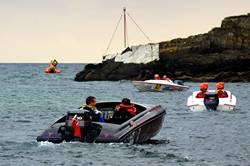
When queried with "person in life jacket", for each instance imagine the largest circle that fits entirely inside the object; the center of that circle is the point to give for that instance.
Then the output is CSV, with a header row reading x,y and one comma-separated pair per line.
x,y
54,62
165,77
220,90
157,77
203,90
52,67
90,111
124,111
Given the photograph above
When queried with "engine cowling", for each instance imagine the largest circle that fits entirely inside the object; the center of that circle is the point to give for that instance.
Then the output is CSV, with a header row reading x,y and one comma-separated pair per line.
x,y
211,100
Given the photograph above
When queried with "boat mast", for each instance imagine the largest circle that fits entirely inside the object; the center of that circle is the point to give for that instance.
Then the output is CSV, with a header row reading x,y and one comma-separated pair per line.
x,y
125,27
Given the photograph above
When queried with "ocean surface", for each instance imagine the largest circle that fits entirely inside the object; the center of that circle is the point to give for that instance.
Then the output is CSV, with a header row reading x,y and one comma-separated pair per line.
x,y
31,100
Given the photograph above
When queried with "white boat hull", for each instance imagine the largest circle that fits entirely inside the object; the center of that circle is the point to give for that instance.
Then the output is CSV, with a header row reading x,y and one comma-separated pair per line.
x,y
225,104
158,86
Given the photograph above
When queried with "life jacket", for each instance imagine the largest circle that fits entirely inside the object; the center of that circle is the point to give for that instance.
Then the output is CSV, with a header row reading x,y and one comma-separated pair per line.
x,y
92,114
167,79
201,94
130,108
76,127
222,93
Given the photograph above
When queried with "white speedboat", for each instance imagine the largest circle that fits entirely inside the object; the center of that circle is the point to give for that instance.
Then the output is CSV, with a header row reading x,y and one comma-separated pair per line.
x,y
211,101
158,85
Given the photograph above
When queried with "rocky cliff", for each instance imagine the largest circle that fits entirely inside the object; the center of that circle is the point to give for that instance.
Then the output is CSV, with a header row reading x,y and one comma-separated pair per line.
x,y
222,54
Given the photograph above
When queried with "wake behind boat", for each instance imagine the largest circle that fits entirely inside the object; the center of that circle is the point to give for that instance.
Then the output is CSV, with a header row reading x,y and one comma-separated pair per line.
x,y
140,128
158,85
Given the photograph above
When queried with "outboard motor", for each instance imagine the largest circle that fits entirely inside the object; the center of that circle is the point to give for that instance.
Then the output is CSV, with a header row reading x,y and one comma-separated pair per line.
x,y
211,100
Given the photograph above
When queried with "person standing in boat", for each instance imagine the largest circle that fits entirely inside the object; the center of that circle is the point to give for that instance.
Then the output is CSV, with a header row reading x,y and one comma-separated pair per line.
x,y
91,114
91,111
220,90
203,90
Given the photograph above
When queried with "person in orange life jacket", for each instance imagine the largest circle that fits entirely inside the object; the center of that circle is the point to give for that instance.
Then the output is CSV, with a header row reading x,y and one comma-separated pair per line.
x,y
157,77
125,110
220,90
90,111
203,90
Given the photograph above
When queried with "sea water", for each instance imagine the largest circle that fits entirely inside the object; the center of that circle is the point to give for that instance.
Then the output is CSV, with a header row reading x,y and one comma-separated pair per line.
x,y
31,100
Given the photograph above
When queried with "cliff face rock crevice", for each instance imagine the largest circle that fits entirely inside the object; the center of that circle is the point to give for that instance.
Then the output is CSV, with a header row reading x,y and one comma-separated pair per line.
x,y
222,54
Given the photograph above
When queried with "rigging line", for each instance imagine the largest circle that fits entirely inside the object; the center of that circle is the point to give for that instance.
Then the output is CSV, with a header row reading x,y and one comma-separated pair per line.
x,y
113,35
139,27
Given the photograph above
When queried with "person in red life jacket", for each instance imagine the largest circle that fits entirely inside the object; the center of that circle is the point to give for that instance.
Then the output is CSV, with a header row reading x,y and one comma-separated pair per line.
x,y
220,90
157,77
165,77
203,90
124,111
76,128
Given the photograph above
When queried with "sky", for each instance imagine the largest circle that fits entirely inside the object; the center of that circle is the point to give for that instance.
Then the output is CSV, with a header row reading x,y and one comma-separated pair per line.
x,y
78,31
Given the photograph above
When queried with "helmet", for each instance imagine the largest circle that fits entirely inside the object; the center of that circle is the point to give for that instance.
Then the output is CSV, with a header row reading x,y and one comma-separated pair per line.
x,y
156,76
204,86
126,101
220,85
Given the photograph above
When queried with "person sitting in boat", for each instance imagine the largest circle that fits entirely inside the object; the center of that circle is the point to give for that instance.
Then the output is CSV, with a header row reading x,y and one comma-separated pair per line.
x,y
90,111
157,77
220,90
165,77
203,90
124,111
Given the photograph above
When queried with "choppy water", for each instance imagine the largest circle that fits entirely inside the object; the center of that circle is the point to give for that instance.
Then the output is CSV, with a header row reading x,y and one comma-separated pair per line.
x,y
31,100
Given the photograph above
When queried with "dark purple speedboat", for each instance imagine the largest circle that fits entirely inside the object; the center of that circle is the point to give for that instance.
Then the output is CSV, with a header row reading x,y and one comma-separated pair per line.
x,y
141,128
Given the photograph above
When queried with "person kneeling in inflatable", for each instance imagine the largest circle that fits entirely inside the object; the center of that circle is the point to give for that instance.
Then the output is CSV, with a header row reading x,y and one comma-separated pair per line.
x,y
220,90
203,90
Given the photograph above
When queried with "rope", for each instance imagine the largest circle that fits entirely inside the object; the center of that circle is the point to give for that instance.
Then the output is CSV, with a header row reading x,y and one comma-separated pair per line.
x,y
139,28
117,25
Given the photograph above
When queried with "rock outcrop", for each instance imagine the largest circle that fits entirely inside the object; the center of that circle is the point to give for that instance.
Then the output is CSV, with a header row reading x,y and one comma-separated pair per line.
x,y
222,54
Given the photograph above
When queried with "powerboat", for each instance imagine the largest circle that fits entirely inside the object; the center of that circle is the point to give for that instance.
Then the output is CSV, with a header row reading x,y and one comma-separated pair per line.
x,y
159,85
211,101
140,128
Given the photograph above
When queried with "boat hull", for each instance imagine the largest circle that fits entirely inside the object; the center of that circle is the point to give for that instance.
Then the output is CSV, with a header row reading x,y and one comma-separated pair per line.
x,y
157,86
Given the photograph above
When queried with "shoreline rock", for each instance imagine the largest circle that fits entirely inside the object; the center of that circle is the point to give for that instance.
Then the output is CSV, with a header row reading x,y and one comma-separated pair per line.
x,y
222,54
